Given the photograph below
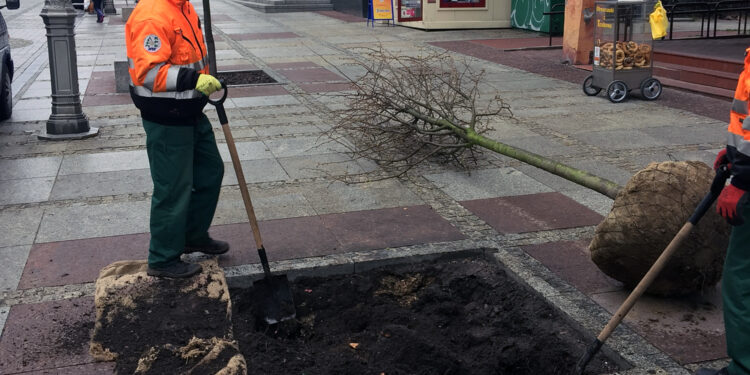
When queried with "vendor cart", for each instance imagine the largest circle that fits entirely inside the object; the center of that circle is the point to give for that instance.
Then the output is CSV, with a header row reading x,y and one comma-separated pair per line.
x,y
623,51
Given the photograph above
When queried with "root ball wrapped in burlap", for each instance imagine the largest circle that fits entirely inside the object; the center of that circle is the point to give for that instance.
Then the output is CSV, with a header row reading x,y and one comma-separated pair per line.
x,y
647,214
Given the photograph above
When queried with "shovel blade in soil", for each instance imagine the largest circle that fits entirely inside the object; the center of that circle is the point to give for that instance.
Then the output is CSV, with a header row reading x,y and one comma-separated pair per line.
x,y
275,301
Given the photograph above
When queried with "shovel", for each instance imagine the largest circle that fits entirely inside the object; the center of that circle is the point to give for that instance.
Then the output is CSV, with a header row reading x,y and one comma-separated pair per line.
x,y
273,294
716,186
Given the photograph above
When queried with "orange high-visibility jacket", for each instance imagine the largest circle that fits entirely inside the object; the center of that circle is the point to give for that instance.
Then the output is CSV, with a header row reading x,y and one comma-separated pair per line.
x,y
738,138
166,54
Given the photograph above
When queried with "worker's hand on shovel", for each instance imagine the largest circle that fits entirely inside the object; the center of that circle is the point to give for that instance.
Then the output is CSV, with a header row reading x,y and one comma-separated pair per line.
x,y
721,159
730,203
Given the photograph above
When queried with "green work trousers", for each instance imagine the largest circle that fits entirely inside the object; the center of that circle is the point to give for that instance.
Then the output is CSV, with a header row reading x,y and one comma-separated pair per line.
x,y
187,170
736,295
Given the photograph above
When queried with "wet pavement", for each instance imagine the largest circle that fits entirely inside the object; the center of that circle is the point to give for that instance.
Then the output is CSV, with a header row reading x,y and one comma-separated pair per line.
x,y
69,208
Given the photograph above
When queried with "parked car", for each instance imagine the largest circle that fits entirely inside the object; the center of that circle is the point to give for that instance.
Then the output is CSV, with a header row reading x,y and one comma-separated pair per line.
x,y
6,69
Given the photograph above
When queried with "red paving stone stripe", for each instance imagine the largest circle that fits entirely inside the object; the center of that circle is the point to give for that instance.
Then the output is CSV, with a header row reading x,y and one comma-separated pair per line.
x,y
103,100
48,335
512,43
342,16
257,90
261,36
101,83
311,75
79,261
390,227
531,213
571,261
293,65
325,87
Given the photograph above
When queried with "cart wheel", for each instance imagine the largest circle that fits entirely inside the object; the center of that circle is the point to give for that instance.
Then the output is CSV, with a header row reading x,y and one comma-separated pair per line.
x,y
617,91
650,88
588,89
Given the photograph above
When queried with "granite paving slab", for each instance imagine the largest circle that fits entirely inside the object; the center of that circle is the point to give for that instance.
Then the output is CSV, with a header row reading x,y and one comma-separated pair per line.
x,y
257,36
306,145
104,162
620,139
597,202
311,75
571,261
13,260
486,183
4,310
603,170
533,212
313,88
79,261
86,185
255,171
256,90
82,220
19,225
264,101
689,329
293,65
269,204
686,135
338,197
322,165
541,145
47,335
281,127
29,167
27,190
246,151
390,227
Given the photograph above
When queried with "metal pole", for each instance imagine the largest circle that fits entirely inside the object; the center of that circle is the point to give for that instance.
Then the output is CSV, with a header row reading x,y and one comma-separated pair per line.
x,y
67,120
209,38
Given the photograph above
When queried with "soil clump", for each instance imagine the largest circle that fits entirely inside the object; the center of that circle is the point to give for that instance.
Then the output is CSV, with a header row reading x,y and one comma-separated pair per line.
x,y
463,316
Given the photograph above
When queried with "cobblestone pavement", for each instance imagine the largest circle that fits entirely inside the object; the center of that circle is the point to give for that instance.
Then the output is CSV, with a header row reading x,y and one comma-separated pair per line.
x,y
69,208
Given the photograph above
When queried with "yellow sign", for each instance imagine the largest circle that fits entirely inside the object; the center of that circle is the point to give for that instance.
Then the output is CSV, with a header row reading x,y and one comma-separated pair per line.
x,y
603,25
605,10
382,9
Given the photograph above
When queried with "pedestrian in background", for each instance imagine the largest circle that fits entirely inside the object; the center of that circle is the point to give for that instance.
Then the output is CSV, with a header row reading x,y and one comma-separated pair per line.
x,y
99,11
170,85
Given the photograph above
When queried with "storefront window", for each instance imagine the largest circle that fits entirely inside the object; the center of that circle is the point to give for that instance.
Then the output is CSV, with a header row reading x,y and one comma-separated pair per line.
x,y
410,10
462,3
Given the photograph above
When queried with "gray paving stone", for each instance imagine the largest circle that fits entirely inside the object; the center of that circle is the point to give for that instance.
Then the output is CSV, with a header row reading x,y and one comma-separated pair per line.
x,y
300,146
4,310
246,151
268,205
337,197
29,167
22,115
502,129
619,139
19,226
540,145
550,180
102,184
80,220
104,162
260,170
686,135
486,183
13,260
264,101
603,170
280,130
26,190
321,166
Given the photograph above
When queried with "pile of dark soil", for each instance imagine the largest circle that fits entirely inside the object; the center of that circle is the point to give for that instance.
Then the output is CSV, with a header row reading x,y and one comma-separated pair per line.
x,y
462,316
245,77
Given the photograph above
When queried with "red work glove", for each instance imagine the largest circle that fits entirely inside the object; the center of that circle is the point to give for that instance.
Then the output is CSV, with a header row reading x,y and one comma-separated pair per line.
x,y
721,158
730,202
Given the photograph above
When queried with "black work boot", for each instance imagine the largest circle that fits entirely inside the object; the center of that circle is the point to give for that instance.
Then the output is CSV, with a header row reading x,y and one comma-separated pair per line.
x,y
176,270
213,247
710,371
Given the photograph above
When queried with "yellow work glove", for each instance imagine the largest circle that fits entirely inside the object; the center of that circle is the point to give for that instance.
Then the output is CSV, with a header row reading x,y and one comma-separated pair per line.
x,y
207,84
659,22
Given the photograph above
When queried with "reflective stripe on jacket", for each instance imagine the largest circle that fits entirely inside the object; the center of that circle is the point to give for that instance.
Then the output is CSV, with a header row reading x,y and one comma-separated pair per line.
x,y
166,54
738,137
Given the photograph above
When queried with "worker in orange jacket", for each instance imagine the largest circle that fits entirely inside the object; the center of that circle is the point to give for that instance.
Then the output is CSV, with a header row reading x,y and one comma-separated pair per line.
x,y
170,84
733,205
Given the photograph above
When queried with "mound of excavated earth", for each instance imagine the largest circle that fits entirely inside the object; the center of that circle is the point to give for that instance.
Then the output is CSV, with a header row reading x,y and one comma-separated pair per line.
x,y
647,214
158,326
